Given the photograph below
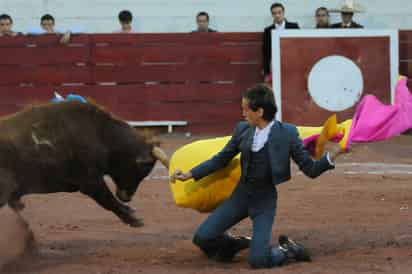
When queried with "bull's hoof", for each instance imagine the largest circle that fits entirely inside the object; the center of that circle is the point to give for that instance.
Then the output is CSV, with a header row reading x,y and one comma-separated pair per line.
x,y
131,211
132,220
136,223
128,216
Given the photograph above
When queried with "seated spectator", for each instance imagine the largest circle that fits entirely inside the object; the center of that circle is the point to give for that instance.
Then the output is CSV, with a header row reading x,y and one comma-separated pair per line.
x,y
47,23
125,20
202,21
347,11
322,18
6,25
279,23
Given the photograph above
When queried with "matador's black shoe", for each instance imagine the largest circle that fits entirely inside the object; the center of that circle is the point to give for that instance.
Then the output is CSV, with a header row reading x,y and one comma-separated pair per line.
x,y
294,250
232,247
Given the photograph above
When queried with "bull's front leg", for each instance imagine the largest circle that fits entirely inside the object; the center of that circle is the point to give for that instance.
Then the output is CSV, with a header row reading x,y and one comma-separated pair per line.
x,y
8,186
104,197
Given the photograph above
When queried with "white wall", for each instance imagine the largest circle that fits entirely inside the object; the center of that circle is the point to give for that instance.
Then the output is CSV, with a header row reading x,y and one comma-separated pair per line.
x,y
178,15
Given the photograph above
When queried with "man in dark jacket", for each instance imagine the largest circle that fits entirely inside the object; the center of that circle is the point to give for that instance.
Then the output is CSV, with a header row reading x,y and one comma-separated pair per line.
x,y
6,25
266,147
347,11
202,21
279,23
322,18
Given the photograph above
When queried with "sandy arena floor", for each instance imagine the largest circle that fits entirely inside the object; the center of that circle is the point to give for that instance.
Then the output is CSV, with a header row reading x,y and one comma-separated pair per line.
x,y
356,219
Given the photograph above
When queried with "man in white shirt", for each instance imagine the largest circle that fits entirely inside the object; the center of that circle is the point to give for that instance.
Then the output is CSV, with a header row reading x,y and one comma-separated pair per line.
x,y
266,147
279,23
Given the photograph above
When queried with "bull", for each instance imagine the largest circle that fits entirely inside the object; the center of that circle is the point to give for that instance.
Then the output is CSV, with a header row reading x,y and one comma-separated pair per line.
x,y
71,147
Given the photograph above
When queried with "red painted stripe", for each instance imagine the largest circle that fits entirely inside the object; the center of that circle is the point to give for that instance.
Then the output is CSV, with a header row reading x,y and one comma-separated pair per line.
x,y
43,75
143,39
41,40
177,54
44,55
239,73
405,35
127,104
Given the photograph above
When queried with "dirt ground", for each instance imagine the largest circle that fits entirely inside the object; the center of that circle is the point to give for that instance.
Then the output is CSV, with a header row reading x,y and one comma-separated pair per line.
x,y
355,219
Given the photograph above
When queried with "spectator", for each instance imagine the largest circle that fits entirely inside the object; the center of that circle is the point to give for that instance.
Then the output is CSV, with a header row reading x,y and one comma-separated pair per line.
x,y
6,25
279,23
202,21
125,20
322,18
347,11
47,23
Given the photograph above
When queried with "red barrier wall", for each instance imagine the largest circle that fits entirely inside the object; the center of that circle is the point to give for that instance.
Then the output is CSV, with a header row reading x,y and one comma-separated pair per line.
x,y
405,53
195,77
192,77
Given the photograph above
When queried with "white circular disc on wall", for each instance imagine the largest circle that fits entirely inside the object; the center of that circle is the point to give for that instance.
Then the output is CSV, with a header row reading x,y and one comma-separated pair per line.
x,y
335,83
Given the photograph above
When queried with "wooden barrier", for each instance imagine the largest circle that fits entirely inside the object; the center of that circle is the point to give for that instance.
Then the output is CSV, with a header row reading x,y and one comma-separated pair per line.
x,y
198,78
405,53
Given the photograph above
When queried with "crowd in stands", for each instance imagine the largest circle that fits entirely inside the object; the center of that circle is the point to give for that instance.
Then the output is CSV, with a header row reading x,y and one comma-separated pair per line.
x,y
125,17
322,19
47,22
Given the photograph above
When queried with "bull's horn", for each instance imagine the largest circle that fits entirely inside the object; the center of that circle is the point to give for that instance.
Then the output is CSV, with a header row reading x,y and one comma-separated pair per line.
x,y
160,155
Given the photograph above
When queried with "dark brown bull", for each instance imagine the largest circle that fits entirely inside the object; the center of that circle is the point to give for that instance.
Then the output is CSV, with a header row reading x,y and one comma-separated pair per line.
x,y
69,147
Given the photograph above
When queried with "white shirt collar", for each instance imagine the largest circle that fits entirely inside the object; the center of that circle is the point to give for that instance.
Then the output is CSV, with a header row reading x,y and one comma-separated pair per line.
x,y
281,26
266,128
261,136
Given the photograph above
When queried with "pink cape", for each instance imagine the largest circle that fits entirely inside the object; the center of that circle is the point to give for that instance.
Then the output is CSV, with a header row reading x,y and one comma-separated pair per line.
x,y
373,121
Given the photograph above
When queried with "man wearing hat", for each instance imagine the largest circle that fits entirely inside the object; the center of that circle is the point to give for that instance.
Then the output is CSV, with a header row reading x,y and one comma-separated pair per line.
x,y
347,11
